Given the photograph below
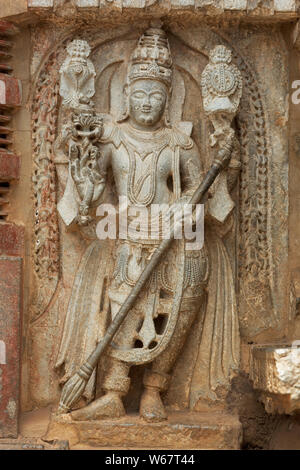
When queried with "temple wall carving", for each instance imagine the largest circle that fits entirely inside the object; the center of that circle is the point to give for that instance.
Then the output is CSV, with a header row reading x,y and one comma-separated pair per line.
x,y
82,59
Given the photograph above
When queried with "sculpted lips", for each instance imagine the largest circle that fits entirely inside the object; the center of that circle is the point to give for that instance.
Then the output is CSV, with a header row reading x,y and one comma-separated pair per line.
x,y
146,109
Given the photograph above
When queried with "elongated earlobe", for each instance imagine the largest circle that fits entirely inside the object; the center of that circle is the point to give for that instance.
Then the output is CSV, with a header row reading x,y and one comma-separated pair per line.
x,y
125,113
167,113
126,89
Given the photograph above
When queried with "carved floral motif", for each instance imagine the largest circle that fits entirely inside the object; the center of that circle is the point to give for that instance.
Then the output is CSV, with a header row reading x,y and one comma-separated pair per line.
x,y
46,238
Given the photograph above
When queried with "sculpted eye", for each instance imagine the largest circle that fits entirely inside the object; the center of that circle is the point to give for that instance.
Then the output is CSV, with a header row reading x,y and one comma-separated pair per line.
x,y
157,96
138,94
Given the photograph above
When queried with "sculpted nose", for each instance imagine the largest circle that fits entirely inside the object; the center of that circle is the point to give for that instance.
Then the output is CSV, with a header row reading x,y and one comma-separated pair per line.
x,y
146,101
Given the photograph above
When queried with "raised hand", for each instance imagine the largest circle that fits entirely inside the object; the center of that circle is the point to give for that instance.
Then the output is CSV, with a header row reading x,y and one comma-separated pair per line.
x,y
87,178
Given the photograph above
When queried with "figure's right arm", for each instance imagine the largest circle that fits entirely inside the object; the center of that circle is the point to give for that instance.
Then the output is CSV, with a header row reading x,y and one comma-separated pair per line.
x,y
103,164
87,177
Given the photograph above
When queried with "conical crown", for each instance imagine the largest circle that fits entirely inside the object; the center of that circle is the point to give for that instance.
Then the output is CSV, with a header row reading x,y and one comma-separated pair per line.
x,y
152,58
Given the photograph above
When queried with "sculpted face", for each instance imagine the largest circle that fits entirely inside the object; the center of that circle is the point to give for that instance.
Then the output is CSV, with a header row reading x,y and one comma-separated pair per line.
x,y
147,102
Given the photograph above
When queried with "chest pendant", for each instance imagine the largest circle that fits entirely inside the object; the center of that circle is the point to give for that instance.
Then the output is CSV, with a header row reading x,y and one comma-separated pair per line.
x,y
141,185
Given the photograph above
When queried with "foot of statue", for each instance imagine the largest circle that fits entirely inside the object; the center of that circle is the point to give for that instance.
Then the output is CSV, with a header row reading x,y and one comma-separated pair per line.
x,y
108,406
151,406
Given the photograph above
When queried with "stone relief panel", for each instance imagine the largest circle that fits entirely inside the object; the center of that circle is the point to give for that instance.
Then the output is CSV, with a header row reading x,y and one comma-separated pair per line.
x,y
240,245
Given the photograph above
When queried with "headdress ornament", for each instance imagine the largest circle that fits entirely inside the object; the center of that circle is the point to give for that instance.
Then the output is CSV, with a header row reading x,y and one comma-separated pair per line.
x,y
152,57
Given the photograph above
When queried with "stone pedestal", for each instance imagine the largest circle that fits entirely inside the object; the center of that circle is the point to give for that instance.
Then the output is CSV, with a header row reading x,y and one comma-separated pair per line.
x,y
183,430
31,444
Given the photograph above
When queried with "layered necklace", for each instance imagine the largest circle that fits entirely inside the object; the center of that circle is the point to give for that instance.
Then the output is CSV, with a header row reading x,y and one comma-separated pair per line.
x,y
144,144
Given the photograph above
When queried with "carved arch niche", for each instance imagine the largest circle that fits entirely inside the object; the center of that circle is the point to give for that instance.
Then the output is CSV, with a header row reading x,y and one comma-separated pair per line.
x,y
259,275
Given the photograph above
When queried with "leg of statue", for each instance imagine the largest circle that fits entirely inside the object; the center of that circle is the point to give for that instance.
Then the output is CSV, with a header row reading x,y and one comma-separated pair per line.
x,y
116,382
110,405
157,378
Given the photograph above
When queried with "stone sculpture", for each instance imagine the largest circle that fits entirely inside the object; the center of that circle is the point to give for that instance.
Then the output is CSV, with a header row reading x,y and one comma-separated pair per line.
x,y
151,162
77,76
221,91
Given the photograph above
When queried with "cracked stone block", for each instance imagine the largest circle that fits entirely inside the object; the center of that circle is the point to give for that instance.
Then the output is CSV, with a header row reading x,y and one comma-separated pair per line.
x,y
10,313
11,239
275,372
9,166
10,91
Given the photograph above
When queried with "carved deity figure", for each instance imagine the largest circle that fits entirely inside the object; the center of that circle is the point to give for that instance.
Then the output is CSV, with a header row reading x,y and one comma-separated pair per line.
x,y
151,162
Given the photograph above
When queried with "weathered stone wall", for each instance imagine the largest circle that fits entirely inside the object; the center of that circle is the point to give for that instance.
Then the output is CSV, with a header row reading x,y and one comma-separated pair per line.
x,y
11,241
261,34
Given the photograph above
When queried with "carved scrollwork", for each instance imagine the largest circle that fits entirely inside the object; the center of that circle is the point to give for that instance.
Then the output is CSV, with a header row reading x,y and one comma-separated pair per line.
x,y
46,239
254,212
255,240
44,115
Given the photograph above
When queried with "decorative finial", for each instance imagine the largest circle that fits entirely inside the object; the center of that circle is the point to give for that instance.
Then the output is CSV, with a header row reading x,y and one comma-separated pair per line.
x,y
221,83
77,84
